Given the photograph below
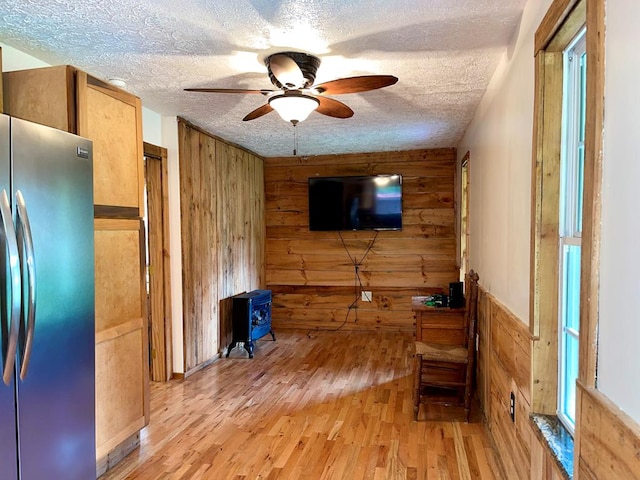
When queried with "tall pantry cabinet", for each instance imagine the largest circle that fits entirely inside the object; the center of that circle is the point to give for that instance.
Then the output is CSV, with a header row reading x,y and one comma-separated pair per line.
x,y
69,99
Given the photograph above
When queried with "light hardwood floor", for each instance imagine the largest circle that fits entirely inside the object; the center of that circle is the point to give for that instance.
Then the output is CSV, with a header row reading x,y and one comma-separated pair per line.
x,y
331,405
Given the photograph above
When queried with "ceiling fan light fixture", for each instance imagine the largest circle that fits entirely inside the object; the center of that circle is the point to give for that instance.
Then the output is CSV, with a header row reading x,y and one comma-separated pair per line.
x,y
294,108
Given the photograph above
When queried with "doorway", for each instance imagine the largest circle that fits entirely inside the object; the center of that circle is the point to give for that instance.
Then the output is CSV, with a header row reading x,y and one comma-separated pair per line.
x,y
157,257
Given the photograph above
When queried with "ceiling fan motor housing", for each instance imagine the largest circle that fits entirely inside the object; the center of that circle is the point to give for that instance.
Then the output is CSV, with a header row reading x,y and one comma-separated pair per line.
x,y
308,64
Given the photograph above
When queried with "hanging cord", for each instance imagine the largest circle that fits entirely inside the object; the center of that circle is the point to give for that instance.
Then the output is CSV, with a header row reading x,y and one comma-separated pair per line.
x,y
357,282
356,266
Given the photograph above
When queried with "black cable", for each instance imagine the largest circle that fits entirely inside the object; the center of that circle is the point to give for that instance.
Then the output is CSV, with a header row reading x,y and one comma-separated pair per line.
x,y
356,266
357,282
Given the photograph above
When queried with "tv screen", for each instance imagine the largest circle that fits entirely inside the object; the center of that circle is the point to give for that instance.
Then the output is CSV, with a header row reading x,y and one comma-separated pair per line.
x,y
355,203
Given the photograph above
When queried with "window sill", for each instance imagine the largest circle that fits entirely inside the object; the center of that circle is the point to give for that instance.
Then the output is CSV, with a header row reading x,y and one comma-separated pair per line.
x,y
557,440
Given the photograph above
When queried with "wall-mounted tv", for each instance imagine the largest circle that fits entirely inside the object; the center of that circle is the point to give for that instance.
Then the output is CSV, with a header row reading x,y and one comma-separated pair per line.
x,y
372,202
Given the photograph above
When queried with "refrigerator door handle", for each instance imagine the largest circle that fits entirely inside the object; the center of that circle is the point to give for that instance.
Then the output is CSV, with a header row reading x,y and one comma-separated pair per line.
x,y
16,286
24,224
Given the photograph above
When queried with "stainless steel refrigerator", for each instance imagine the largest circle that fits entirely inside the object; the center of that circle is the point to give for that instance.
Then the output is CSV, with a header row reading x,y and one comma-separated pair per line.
x,y
47,388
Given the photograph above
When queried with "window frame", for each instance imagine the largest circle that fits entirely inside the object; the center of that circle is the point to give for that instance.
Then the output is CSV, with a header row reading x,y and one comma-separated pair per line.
x,y
563,21
463,236
570,224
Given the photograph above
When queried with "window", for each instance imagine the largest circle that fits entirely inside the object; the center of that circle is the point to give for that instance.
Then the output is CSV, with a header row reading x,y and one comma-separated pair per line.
x,y
570,224
566,211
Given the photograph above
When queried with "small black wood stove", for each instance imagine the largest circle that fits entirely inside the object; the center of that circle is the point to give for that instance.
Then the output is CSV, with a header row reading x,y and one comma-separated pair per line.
x,y
251,319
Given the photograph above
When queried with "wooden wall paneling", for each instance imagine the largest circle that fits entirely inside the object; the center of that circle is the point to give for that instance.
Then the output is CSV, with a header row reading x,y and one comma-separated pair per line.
x,y
190,210
226,187
372,160
543,467
302,231
225,335
609,438
222,209
184,154
507,369
505,366
254,231
208,172
420,257
226,289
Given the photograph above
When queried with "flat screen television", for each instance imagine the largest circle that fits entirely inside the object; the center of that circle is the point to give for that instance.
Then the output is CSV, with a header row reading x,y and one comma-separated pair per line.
x,y
372,202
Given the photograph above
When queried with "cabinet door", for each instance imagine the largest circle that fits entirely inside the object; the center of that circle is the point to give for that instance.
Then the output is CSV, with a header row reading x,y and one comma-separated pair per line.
x,y
121,333
112,119
42,95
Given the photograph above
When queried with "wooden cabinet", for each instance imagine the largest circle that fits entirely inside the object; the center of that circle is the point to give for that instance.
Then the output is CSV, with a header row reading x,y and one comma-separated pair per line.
x,y
69,99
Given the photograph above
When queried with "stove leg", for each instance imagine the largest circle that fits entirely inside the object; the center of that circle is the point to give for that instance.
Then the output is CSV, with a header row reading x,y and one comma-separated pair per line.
x,y
249,348
232,345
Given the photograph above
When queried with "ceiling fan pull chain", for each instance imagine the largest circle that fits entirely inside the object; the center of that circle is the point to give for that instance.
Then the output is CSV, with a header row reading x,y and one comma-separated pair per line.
x,y
295,139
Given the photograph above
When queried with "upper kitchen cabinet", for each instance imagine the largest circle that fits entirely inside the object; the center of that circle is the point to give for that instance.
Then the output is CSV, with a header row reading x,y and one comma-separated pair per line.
x,y
66,98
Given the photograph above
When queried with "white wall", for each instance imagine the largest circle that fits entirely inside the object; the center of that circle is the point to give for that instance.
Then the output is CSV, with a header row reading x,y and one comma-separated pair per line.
x,y
499,139
163,132
619,327
152,127
13,59
170,138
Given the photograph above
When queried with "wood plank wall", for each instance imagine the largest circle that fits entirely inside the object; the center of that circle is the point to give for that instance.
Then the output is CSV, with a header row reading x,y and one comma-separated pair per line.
x,y
608,444
223,235
310,273
504,367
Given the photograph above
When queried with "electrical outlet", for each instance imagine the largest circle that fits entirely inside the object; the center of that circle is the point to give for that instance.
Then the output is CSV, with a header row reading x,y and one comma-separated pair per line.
x,y
512,407
366,296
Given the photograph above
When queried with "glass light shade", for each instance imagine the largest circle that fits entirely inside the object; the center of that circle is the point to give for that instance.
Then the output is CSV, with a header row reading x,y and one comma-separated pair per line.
x,y
294,108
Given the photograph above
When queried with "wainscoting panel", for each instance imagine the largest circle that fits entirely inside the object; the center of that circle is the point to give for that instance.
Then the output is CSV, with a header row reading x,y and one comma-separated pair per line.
x,y
608,444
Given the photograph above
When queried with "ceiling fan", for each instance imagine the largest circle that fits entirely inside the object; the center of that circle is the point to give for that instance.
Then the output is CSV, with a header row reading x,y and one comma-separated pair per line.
x,y
293,74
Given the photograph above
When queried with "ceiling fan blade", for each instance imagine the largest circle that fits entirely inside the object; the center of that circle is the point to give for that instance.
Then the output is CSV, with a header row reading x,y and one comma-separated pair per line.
x,y
333,108
227,90
286,70
258,112
356,84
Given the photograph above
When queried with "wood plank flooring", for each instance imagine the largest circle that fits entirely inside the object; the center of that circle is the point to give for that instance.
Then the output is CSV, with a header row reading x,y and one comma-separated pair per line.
x,y
329,405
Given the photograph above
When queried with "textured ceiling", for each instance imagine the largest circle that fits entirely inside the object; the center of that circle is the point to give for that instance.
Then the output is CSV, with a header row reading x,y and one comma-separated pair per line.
x,y
443,52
